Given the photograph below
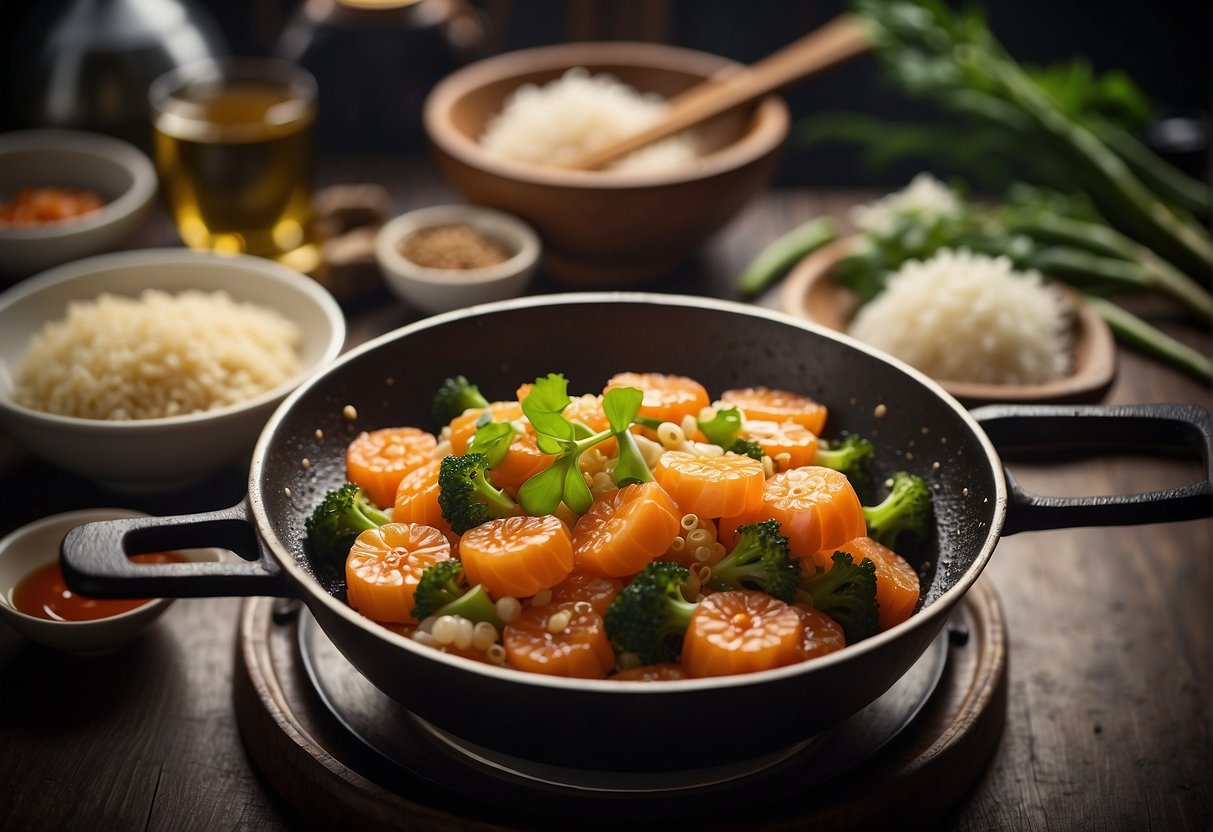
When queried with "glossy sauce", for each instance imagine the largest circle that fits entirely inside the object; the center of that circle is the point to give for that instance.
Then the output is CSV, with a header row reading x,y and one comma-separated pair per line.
x,y
44,594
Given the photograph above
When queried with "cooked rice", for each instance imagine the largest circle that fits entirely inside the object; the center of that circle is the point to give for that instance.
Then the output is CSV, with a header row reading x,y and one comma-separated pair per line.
x,y
121,358
925,199
968,317
556,123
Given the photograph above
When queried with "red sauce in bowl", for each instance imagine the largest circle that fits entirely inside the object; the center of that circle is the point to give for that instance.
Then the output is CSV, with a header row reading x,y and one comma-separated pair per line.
x,y
44,594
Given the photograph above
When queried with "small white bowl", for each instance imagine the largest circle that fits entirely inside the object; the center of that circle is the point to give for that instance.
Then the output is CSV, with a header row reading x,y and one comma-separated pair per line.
x,y
119,172
441,290
172,452
37,544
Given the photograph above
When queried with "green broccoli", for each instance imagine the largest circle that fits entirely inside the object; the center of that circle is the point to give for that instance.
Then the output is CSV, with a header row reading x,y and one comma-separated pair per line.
x,y
747,447
337,520
650,615
455,395
443,590
852,455
846,593
906,509
760,559
466,496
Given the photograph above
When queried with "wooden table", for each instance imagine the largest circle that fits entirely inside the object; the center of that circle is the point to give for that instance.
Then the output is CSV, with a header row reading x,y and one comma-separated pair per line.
x,y
1109,632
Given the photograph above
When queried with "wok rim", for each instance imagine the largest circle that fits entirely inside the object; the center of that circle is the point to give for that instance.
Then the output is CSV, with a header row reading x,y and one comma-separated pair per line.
x,y
311,592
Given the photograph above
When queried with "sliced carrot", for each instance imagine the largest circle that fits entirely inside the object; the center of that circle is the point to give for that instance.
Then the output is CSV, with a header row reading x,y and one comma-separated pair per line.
x,y
517,556
816,507
417,498
625,529
588,411
778,439
777,406
711,486
567,639
384,566
741,631
582,585
522,460
897,585
822,634
667,672
666,397
377,460
463,427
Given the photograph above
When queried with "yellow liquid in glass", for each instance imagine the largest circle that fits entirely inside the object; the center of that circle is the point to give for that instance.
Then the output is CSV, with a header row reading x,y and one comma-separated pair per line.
x,y
235,164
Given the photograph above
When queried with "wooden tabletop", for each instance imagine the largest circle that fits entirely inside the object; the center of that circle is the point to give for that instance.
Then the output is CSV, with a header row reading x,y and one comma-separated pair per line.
x,y
1109,630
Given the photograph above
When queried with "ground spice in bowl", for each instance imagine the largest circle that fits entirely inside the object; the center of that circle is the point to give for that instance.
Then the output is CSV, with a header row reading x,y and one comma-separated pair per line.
x,y
452,247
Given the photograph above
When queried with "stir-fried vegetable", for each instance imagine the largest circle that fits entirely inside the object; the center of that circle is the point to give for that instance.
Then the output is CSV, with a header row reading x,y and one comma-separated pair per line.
x,y
711,563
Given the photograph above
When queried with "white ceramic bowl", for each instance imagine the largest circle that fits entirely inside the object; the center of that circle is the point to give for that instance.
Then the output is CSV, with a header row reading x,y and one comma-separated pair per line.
x,y
164,453
119,172
441,290
36,544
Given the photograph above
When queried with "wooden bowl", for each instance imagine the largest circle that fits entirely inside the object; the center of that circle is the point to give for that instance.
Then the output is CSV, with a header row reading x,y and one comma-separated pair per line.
x,y
606,228
810,292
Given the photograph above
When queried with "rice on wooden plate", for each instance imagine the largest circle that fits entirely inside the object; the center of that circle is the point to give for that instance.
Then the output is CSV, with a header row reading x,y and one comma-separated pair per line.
x,y
960,316
558,122
158,355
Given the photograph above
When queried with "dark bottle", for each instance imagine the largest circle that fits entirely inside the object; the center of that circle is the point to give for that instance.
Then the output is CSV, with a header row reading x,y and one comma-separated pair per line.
x,y
87,64
375,61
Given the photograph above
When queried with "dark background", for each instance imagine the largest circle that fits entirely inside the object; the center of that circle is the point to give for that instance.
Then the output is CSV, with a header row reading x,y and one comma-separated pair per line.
x,y
1163,45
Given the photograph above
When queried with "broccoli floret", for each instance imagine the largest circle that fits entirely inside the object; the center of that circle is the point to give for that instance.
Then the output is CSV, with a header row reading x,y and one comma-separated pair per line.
x,y
853,456
760,559
649,616
747,447
456,395
442,590
466,496
906,509
337,520
846,593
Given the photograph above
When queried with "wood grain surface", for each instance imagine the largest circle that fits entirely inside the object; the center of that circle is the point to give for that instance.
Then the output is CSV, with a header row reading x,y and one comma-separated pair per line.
x,y
1109,630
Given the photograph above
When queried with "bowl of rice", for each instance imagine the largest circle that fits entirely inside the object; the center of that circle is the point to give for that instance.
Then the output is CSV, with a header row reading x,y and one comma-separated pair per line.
x,y
155,369
500,130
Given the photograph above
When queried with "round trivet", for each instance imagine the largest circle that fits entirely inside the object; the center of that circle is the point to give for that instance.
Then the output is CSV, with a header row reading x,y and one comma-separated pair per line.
x,y
341,753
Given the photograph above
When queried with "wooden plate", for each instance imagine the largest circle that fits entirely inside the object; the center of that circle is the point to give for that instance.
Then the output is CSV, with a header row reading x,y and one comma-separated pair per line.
x,y
810,292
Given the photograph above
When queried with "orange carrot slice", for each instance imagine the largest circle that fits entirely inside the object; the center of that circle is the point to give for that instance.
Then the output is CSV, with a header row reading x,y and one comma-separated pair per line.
x,y
816,507
711,486
517,556
384,566
777,406
463,427
566,639
666,397
741,631
897,585
667,672
822,634
377,460
582,585
779,438
417,498
625,529
522,460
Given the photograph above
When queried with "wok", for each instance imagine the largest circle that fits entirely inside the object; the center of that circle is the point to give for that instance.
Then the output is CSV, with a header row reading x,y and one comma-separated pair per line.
x,y
914,424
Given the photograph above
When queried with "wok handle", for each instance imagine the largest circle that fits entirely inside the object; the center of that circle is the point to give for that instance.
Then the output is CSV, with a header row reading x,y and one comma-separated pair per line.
x,y
1045,431
95,557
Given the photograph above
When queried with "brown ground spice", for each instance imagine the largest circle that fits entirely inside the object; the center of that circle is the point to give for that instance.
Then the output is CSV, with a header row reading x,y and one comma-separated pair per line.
x,y
452,247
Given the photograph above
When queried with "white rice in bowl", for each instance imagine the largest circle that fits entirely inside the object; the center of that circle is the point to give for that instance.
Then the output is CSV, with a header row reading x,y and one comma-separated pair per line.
x,y
969,317
558,122
158,355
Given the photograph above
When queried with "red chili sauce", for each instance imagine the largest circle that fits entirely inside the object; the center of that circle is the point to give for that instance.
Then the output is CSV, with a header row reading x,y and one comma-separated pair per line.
x,y
44,594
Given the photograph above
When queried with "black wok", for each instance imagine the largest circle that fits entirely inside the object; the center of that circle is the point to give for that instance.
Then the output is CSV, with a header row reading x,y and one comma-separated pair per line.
x,y
588,337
